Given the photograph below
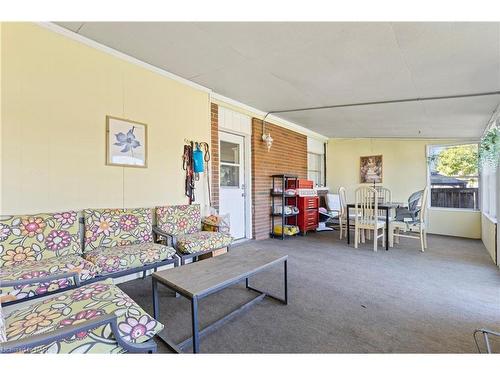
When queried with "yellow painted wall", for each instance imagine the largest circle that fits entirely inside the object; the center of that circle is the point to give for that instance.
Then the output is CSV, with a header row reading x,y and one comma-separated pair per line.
x,y
488,233
405,171
56,93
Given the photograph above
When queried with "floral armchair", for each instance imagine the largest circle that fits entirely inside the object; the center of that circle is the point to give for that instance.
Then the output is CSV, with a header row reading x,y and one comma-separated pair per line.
x,y
181,226
41,254
96,318
120,241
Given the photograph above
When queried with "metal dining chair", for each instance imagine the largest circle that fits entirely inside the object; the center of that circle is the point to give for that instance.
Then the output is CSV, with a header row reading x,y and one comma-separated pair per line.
x,y
409,224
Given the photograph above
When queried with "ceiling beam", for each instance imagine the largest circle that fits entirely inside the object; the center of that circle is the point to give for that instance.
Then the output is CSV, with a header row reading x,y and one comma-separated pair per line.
x,y
459,96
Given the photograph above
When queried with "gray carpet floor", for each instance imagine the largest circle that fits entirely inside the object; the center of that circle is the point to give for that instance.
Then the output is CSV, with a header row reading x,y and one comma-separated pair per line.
x,y
346,300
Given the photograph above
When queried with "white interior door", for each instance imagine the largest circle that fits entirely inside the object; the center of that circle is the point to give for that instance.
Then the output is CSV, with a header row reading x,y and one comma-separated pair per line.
x,y
232,181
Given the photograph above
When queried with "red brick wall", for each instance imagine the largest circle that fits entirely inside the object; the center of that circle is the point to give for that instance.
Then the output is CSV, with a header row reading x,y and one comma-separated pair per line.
x,y
288,154
214,149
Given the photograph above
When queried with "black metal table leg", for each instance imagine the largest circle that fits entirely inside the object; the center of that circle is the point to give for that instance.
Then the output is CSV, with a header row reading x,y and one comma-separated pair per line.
x,y
348,232
386,229
156,312
285,269
284,299
194,312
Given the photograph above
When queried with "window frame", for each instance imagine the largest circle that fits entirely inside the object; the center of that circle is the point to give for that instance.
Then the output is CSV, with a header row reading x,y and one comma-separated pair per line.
x,y
490,194
428,174
321,171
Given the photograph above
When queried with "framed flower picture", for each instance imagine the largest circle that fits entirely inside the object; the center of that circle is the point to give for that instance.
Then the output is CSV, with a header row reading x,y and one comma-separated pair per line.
x,y
126,142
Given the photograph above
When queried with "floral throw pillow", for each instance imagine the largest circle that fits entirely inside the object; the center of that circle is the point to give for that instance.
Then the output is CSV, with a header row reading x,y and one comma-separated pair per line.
x,y
36,237
181,219
117,227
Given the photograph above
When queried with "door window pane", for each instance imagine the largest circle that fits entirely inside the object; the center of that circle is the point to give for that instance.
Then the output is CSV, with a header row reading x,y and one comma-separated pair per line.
x,y
229,152
230,175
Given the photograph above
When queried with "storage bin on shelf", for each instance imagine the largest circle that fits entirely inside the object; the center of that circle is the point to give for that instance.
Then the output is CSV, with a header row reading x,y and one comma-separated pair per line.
x,y
290,230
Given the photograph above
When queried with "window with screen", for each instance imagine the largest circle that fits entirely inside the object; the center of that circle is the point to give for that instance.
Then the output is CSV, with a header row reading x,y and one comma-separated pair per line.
x,y
316,168
454,176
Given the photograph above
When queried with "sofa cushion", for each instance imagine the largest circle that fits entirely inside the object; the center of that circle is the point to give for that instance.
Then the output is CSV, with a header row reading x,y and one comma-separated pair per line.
x,y
42,268
36,237
117,227
120,258
181,219
202,241
78,305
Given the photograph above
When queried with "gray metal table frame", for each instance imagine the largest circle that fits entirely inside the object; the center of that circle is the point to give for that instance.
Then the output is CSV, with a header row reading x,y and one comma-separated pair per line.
x,y
197,333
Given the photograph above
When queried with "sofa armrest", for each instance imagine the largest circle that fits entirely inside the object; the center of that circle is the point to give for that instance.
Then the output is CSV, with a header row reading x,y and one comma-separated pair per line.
x,y
68,331
170,238
66,275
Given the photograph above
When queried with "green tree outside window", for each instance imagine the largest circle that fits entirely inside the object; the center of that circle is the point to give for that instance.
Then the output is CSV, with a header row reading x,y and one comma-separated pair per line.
x,y
458,161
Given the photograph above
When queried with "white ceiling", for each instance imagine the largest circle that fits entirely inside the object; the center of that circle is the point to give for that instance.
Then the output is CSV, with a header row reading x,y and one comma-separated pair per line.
x,y
273,66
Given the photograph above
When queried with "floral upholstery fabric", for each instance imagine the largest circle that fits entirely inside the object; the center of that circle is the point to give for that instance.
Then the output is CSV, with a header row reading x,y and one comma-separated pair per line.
x,y
177,220
36,237
202,241
79,305
120,258
42,268
117,227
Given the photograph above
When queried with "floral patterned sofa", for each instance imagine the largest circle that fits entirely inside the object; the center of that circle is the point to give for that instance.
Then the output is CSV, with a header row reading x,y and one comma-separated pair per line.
x,y
120,241
40,254
46,253
180,225
95,318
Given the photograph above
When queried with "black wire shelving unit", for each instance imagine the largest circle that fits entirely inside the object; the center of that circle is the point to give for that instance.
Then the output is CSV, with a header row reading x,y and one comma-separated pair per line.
x,y
281,180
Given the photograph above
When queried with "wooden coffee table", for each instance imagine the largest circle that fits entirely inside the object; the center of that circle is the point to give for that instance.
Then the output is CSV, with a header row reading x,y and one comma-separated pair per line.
x,y
197,280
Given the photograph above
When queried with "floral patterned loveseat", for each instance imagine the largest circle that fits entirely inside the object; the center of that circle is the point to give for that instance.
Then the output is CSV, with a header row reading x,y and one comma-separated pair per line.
x,y
120,241
95,318
47,253
180,225
41,254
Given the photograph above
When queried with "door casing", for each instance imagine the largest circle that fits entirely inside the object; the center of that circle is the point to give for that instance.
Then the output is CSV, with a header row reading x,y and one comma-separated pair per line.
x,y
247,179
